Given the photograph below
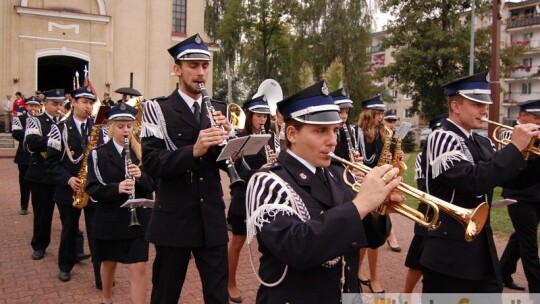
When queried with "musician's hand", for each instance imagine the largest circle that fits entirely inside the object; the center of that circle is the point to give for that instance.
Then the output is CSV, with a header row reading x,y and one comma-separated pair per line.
x,y
126,186
221,120
377,185
75,183
134,171
358,158
207,138
358,175
523,134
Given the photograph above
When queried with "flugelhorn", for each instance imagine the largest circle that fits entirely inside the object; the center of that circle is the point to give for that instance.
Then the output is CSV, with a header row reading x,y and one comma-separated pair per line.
x,y
531,148
473,220
231,170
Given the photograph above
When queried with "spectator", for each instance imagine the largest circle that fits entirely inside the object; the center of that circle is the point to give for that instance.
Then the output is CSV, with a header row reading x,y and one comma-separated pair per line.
x,y
6,107
19,105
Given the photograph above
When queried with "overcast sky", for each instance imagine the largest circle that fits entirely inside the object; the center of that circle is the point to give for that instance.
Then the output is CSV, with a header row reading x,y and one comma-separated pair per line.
x,y
380,20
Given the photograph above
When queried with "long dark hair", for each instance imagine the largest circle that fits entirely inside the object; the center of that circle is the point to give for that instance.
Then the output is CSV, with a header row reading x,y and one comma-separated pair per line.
x,y
248,127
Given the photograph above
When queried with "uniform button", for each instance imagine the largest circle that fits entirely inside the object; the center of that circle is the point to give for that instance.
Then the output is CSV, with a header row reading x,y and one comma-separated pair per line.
x,y
202,200
200,179
445,233
179,134
322,212
348,268
354,244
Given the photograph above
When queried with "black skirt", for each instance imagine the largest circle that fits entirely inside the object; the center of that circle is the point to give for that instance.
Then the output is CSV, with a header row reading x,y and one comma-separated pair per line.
x,y
415,252
122,251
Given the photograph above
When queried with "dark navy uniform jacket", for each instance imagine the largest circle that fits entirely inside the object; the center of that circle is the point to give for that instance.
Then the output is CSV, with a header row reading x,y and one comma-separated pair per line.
x,y
189,210
60,165
35,141
106,169
464,172
334,230
18,127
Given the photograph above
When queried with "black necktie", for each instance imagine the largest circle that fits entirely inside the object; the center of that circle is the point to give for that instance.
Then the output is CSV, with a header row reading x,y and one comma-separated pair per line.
x,y
83,133
197,112
320,174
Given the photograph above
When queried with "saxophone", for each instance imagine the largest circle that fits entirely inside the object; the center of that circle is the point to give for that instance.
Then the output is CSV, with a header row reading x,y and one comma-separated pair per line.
x,y
80,198
383,159
396,158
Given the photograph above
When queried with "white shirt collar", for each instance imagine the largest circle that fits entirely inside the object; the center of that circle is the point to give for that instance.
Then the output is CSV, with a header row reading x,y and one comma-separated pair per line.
x,y
304,162
467,133
189,101
118,147
78,123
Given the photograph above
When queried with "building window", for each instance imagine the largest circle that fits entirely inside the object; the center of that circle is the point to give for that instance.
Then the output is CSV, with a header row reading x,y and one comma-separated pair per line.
x,y
394,93
408,113
407,96
526,88
179,16
527,62
528,36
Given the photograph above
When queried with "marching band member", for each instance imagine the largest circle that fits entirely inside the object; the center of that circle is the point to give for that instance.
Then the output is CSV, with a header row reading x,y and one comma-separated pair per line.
x,y
298,207
41,185
115,240
22,156
179,150
65,148
412,261
462,168
346,140
525,216
257,121
370,137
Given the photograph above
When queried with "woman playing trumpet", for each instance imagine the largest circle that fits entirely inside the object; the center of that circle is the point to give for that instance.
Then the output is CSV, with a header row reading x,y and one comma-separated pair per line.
x,y
107,183
257,122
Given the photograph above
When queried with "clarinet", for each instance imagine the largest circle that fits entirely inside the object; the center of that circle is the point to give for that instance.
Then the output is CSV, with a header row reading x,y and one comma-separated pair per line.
x,y
267,148
134,221
350,147
231,170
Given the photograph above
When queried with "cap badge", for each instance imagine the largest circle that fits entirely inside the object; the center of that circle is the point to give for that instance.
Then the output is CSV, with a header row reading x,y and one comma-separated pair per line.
x,y
324,89
198,39
88,89
487,77
343,92
122,106
57,92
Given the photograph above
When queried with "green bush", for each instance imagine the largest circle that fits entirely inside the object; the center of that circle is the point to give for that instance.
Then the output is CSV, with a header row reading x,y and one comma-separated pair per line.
x,y
408,145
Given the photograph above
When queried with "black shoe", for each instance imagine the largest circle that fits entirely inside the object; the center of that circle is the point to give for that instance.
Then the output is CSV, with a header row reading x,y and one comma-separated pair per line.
x,y
235,299
394,249
82,256
23,212
513,285
38,255
64,276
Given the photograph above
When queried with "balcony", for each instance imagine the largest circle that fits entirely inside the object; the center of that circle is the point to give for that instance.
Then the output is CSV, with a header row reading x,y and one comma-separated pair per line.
x,y
377,48
513,99
521,71
522,21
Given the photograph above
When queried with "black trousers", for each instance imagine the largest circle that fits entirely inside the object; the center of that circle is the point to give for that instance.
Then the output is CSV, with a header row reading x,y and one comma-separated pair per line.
x,y
170,267
434,282
43,205
69,216
509,258
24,187
525,217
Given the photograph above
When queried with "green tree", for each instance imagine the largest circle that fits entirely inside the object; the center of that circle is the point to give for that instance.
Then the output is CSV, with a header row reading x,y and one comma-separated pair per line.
x,y
431,41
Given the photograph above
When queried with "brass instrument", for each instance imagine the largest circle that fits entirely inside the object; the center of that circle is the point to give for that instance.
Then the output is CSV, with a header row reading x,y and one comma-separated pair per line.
x,y
80,198
237,115
134,221
231,170
473,220
531,149
267,149
351,149
383,156
396,159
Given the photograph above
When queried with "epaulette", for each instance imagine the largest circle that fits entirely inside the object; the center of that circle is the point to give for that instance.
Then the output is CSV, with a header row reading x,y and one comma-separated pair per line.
x,y
160,98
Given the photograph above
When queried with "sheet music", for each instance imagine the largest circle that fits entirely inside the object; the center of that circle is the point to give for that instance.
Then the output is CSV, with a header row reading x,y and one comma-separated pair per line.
x,y
138,202
404,128
503,202
246,145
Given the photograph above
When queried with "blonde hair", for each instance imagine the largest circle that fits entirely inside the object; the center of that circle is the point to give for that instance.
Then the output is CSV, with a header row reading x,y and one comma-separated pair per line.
x,y
135,146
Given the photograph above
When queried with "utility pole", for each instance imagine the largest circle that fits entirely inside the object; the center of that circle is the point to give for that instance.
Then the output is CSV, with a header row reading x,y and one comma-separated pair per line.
x,y
495,84
471,51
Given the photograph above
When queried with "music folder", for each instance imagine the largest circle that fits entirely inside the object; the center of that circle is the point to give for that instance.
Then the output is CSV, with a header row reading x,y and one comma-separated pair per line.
x,y
503,202
138,202
245,145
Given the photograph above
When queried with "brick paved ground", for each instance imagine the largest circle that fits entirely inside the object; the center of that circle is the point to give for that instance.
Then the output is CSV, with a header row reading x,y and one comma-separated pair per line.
x,y
23,280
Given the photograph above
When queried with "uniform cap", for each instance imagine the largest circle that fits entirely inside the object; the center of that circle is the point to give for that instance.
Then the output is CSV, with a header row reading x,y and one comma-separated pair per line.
x,y
192,48
474,87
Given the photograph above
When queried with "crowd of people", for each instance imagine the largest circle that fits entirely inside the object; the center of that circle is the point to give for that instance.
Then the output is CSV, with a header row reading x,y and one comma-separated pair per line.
x,y
292,196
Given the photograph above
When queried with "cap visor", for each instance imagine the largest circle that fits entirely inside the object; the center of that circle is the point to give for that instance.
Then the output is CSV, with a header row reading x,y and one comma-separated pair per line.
x,y
320,118
261,110
481,98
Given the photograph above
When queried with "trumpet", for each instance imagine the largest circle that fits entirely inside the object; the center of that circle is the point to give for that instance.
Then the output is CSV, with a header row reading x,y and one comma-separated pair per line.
x,y
267,149
473,220
231,170
531,149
